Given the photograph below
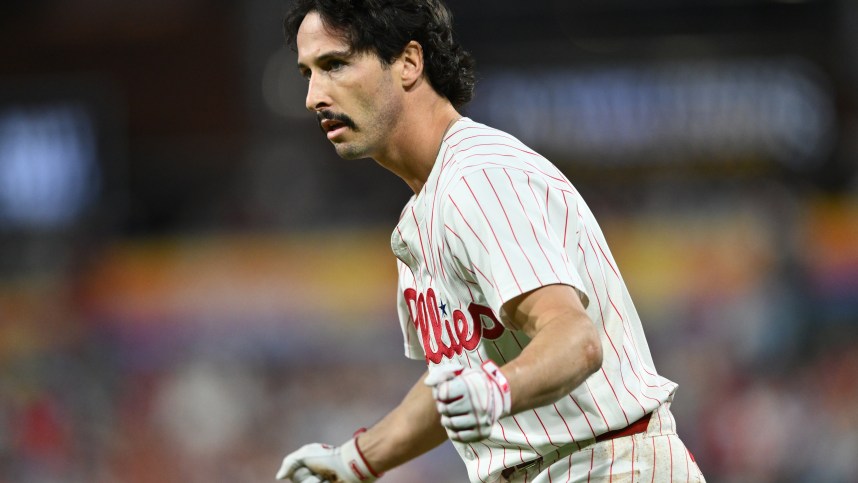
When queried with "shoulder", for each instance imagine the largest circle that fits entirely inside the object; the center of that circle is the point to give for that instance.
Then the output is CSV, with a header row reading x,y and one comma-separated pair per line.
x,y
474,154
473,140
472,147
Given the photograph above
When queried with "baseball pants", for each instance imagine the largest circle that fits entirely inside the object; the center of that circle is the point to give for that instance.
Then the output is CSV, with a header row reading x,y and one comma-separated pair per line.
x,y
654,455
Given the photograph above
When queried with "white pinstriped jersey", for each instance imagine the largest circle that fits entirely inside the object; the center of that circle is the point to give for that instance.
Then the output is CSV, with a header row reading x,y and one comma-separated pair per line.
x,y
495,220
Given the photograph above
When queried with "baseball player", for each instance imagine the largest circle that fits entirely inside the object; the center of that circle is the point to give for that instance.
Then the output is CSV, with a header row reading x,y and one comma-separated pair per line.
x,y
537,365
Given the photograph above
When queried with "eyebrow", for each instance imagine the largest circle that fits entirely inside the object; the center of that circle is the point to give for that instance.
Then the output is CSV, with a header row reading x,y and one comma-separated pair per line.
x,y
334,54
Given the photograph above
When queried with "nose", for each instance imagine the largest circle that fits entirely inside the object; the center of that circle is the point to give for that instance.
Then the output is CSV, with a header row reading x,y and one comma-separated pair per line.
x,y
317,97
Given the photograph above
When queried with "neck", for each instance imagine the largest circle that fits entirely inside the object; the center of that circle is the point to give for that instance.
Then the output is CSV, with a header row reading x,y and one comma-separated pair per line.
x,y
414,149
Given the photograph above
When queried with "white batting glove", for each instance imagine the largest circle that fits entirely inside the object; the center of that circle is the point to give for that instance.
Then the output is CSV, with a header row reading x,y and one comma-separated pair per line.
x,y
470,401
303,475
322,463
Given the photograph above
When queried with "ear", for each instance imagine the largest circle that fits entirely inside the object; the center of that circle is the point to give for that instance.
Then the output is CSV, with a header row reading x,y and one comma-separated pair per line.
x,y
412,64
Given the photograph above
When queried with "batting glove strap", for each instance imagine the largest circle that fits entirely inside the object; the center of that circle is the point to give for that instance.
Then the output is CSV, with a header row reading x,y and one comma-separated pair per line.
x,y
362,457
495,375
355,461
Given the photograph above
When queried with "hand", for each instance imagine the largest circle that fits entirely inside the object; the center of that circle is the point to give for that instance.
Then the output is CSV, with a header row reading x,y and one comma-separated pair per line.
x,y
322,463
303,475
470,401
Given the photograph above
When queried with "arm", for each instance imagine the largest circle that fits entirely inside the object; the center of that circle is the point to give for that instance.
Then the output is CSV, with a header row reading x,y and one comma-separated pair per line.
x,y
564,349
411,429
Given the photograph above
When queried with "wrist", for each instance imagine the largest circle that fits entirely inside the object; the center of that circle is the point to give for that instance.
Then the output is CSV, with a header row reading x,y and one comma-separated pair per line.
x,y
501,386
362,457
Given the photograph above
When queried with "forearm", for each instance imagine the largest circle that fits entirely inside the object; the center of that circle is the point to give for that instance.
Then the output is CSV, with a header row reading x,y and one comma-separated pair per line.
x,y
547,370
411,429
565,348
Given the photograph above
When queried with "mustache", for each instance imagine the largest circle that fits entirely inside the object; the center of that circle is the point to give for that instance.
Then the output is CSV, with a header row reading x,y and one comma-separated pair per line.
x,y
332,116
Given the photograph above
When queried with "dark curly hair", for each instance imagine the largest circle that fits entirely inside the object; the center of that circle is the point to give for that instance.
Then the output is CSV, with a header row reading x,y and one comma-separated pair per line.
x,y
385,27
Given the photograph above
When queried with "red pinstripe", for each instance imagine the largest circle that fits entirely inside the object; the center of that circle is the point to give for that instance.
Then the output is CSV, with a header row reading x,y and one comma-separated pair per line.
x,y
488,221
520,451
555,176
548,201
617,398
660,430
478,155
621,359
670,448
479,271
569,471
477,456
598,407
605,257
592,455
485,277
495,145
441,265
532,228
494,134
584,413
503,435
611,468
408,247
618,276
446,160
462,278
632,368
653,460
460,172
536,200
465,219
547,435
408,340
672,420
605,330
419,236
511,228
566,224
450,229
633,456
564,423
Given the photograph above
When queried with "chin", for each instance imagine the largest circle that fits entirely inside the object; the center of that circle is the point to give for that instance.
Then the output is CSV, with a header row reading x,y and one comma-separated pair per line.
x,y
347,151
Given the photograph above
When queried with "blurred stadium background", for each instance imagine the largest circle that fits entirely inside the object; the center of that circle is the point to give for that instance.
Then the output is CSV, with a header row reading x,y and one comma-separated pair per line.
x,y
192,284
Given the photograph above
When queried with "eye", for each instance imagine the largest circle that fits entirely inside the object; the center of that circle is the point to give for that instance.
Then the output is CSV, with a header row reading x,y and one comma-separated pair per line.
x,y
334,65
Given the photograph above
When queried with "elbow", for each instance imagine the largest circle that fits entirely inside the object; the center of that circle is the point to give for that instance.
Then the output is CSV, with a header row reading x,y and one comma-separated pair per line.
x,y
588,361
592,354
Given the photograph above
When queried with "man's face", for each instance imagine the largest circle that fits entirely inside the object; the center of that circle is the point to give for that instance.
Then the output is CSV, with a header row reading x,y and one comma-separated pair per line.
x,y
354,96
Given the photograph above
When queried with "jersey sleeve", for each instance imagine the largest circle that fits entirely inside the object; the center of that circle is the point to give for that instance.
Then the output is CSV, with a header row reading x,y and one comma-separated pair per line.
x,y
413,347
513,232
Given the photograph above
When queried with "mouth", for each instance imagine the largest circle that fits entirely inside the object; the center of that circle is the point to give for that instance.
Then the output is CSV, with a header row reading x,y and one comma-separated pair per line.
x,y
333,124
333,127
